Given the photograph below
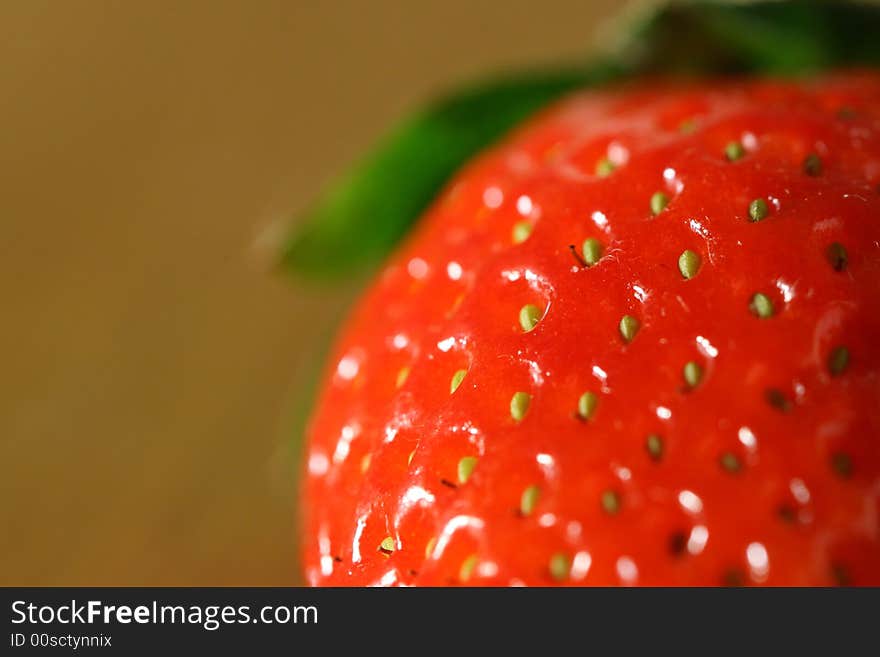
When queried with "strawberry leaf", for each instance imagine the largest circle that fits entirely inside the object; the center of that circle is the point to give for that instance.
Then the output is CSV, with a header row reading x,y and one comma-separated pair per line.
x,y
365,213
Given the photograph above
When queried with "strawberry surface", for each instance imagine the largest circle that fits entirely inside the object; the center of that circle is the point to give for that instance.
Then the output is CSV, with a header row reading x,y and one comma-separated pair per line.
x,y
633,344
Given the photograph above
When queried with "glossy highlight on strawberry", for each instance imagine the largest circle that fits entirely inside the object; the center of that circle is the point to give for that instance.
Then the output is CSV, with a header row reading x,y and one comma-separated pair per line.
x,y
634,344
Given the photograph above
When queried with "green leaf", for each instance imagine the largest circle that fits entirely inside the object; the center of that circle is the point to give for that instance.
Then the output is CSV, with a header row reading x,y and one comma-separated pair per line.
x,y
798,36
365,213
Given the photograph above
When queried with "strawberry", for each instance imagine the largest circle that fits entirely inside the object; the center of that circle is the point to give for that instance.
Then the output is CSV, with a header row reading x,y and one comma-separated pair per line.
x,y
635,343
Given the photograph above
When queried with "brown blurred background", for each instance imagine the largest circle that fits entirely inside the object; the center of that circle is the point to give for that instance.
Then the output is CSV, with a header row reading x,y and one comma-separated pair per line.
x,y
151,368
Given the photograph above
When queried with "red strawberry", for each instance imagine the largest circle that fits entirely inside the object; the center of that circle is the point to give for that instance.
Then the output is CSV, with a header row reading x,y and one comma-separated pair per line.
x,y
688,395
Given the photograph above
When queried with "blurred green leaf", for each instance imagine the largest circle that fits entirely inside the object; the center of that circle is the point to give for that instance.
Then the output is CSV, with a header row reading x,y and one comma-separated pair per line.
x,y
790,37
364,214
